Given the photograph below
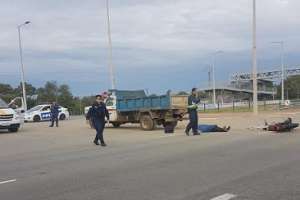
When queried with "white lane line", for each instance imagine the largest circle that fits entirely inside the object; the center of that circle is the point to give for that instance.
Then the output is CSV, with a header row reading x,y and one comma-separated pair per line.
x,y
224,197
8,181
208,118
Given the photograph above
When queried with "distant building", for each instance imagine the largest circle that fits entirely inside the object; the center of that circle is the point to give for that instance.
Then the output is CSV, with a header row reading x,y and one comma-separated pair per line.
x,y
239,91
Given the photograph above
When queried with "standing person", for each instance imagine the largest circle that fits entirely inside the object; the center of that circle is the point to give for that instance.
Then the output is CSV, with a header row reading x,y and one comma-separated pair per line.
x,y
193,113
54,114
97,114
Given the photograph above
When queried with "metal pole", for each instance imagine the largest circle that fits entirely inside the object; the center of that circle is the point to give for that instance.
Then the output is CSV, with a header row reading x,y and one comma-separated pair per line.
x,y
254,62
282,69
282,72
214,80
22,68
209,76
110,64
213,76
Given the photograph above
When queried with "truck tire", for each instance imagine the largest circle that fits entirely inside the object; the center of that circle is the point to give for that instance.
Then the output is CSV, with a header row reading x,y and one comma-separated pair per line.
x,y
116,124
13,130
147,123
36,118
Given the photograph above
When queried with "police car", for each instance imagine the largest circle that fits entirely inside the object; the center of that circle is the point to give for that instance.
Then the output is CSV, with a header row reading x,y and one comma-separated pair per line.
x,y
43,113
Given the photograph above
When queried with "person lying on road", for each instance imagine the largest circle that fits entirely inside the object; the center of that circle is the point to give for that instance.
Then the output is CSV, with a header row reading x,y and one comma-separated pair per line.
x,y
205,128
285,126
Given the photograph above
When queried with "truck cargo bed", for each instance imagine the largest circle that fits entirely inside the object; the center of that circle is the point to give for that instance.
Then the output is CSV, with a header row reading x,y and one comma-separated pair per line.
x,y
164,102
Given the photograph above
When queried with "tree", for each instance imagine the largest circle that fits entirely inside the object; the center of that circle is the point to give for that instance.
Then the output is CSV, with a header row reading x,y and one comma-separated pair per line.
x,y
291,88
30,89
65,97
6,92
48,93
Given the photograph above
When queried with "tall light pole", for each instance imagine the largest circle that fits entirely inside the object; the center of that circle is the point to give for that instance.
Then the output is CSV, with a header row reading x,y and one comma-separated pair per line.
x,y
22,66
110,64
281,43
213,74
254,62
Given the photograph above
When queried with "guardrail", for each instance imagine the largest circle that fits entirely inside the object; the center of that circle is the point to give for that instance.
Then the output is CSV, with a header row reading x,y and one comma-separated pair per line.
x,y
247,106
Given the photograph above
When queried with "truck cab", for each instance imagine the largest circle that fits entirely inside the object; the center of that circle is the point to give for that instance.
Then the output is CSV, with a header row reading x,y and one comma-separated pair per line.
x,y
9,118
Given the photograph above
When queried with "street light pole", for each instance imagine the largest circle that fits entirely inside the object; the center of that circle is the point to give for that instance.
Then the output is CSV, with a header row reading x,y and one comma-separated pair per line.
x,y
254,62
282,69
110,64
213,75
22,66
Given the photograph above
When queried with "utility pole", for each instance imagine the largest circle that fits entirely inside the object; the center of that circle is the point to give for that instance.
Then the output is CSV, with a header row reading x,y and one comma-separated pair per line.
x,y
110,64
209,77
22,65
281,43
213,75
254,62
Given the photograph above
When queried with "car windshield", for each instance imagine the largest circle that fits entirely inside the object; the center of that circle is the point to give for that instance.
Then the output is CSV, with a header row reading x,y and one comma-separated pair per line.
x,y
3,104
35,108
110,102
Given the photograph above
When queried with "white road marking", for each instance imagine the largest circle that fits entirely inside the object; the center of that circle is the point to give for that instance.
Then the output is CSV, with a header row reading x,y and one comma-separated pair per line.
x,y
224,197
8,181
208,118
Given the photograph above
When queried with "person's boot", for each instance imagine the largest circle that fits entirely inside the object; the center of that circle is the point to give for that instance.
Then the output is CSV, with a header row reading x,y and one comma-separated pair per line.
x,y
187,133
96,142
196,133
103,144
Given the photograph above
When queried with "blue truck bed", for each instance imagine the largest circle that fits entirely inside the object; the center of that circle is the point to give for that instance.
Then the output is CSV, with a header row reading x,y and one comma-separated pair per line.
x,y
150,103
137,100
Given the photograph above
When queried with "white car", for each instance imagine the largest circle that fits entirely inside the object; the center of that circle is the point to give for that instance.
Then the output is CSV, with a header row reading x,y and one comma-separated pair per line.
x,y
43,113
9,118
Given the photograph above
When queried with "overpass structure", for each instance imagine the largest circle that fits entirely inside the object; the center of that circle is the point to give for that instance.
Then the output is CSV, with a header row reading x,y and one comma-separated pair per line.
x,y
270,75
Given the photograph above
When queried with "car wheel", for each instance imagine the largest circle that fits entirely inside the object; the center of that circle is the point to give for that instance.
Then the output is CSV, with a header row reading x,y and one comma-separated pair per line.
x,y
13,130
36,118
62,117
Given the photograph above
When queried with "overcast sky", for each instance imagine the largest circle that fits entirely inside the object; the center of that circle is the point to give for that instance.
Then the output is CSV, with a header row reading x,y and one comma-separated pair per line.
x,y
157,44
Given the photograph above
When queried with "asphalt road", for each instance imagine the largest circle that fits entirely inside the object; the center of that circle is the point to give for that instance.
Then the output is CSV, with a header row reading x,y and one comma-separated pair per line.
x,y
41,163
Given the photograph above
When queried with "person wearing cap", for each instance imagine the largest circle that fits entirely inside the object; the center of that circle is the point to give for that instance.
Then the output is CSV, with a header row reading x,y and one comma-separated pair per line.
x,y
193,102
97,114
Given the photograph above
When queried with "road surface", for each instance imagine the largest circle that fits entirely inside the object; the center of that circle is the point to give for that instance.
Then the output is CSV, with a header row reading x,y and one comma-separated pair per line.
x,y
42,163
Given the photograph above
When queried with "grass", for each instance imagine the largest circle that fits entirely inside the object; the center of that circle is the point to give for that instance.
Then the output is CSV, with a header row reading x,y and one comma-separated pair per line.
x,y
243,109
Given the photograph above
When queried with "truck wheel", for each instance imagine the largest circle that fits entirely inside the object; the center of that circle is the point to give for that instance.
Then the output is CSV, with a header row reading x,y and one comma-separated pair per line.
x,y
36,118
116,125
13,130
147,123
62,117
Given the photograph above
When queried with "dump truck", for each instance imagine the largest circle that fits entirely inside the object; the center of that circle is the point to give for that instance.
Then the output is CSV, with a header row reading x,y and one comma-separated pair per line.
x,y
128,106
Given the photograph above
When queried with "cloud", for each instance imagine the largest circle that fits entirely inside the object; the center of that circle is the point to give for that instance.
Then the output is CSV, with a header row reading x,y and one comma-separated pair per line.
x,y
154,40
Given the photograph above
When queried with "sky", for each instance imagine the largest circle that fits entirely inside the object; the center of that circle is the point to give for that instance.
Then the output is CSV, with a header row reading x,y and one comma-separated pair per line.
x,y
157,45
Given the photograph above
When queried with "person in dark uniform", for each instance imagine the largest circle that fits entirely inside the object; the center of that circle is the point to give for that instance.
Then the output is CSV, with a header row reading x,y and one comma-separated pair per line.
x,y
97,114
193,102
54,114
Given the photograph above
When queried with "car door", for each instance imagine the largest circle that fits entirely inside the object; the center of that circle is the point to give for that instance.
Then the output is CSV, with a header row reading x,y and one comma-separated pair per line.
x,y
46,113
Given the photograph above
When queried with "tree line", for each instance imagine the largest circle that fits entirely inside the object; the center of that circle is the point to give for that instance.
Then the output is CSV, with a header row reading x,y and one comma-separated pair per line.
x,y
50,92
291,87
61,94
